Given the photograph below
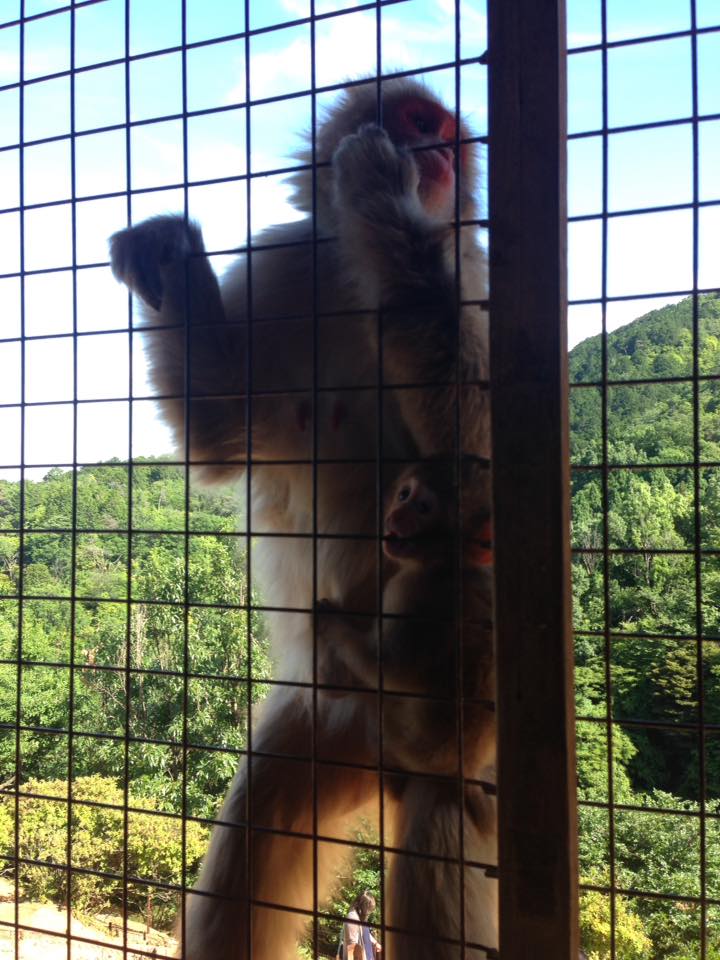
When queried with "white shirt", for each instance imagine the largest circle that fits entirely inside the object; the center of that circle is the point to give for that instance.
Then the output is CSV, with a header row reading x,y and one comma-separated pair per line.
x,y
354,932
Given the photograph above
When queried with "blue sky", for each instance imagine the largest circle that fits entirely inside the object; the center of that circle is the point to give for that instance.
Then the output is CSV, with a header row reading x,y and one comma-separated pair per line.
x,y
647,82
650,253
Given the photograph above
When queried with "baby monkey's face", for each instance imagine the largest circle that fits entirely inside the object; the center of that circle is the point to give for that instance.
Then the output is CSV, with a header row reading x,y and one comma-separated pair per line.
x,y
421,522
418,527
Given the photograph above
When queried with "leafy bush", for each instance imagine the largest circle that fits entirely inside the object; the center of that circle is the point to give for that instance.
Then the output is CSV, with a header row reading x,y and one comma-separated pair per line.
x,y
631,939
96,835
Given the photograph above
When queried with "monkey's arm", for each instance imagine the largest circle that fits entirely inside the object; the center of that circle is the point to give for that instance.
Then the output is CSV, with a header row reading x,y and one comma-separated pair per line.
x,y
346,648
403,262
195,357
412,659
198,355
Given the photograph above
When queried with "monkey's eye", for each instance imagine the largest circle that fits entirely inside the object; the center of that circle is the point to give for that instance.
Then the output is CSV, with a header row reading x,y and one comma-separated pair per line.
x,y
421,123
403,494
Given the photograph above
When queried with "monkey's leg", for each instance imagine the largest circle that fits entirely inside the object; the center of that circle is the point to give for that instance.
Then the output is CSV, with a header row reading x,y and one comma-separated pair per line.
x,y
271,865
425,896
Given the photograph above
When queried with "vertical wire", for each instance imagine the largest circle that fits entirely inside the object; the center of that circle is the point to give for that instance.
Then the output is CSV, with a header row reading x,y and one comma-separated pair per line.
x,y
127,675
605,490
186,477
697,516
248,483
379,521
21,518
457,431
73,508
315,411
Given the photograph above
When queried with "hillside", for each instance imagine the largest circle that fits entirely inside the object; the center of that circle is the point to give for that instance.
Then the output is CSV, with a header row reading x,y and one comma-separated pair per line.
x,y
657,344
653,614
650,423
88,717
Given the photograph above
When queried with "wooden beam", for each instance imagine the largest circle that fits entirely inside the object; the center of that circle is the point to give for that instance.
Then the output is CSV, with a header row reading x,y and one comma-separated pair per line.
x,y
528,349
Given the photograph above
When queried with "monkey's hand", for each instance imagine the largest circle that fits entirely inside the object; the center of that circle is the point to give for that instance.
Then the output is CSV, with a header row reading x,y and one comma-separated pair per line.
x,y
370,171
324,604
332,622
395,248
146,258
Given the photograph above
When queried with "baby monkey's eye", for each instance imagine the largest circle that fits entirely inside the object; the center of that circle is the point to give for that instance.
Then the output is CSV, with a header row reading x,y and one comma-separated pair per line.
x,y
403,494
421,123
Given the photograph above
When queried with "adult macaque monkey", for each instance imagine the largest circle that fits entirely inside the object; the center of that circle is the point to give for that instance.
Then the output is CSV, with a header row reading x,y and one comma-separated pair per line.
x,y
379,285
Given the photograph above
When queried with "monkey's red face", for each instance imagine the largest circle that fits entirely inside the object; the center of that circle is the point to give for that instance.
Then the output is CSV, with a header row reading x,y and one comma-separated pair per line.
x,y
430,131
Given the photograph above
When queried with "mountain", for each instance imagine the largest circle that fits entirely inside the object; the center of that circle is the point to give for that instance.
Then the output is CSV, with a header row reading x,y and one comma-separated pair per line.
x,y
657,344
651,421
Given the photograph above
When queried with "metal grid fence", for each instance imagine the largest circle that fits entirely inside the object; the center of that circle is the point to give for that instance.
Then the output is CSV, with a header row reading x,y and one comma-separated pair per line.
x,y
643,211
133,643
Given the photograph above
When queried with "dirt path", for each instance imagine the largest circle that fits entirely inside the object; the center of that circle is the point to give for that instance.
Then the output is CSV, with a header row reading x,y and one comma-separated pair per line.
x,y
53,944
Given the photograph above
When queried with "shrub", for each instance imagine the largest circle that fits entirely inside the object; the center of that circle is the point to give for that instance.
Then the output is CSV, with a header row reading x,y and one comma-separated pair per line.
x,y
96,835
631,939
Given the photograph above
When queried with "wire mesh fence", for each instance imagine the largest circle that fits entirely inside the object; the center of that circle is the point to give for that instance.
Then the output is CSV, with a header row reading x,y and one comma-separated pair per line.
x,y
135,658
643,204
136,667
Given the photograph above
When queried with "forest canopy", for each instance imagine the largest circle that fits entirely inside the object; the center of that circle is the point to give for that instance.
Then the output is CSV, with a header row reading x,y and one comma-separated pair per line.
x,y
646,534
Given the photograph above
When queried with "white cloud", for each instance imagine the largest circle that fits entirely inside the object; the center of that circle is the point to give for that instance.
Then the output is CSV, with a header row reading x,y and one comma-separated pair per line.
x,y
9,67
578,38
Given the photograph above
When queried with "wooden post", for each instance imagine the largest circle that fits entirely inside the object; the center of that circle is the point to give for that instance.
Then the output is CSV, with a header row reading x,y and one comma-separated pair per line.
x,y
528,349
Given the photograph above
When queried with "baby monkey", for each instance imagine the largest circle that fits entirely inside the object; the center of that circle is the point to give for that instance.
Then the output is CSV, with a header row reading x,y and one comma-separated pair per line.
x,y
430,648
427,594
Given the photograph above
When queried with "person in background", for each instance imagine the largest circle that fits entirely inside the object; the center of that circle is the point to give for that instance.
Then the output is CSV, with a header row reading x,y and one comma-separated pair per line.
x,y
357,941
